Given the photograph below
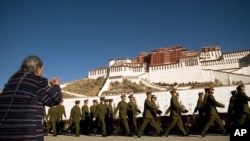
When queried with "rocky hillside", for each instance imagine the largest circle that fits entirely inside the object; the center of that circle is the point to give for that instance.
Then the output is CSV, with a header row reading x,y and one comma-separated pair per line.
x,y
91,87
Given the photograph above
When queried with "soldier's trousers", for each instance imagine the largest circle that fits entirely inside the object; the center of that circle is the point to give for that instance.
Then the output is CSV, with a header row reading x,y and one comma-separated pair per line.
x,y
124,124
109,125
77,124
133,124
213,119
85,126
176,120
145,123
242,119
103,126
53,124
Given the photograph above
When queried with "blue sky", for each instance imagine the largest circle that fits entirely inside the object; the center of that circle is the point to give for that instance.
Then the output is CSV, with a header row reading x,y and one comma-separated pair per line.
x,y
75,36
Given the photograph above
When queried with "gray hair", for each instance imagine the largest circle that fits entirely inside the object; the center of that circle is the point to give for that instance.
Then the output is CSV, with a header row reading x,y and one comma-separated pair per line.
x,y
31,64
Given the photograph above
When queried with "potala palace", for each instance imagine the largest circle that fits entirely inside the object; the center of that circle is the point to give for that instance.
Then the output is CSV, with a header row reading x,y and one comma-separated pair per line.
x,y
178,65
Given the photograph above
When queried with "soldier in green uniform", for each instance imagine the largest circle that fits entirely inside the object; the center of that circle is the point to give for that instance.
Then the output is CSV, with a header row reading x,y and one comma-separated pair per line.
x,y
123,108
93,124
147,116
132,112
85,117
99,114
61,113
53,118
243,110
199,108
156,112
75,117
231,111
175,114
210,105
109,116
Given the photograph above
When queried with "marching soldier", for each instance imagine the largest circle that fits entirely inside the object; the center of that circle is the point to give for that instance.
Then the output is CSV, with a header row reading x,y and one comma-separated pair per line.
x,y
123,108
132,112
85,117
212,113
75,117
109,116
61,113
231,111
199,108
242,106
175,114
53,118
101,111
147,116
93,123
156,112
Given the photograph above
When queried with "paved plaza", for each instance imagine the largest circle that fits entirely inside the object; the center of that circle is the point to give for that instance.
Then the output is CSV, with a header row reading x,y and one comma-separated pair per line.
x,y
135,138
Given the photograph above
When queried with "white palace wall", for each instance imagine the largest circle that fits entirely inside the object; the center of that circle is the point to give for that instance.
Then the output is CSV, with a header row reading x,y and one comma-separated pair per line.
x,y
94,74
125,71
243,70
228,60
176,73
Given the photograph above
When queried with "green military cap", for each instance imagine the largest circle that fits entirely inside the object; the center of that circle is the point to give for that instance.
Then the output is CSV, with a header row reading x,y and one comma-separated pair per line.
x,y
77,101
201,93
106,100
211,88
239,87
233,92
94,100
131,96
102,98
110,100
123,95
149,93
173,91
153,96
206,90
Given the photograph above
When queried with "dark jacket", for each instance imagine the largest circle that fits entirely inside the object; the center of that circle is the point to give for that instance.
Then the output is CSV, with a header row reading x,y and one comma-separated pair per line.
x,y
24,118
242,103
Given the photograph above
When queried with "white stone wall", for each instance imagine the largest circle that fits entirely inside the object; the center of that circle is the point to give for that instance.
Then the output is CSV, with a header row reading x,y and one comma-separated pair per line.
x,y
94,74
176,74
228,61
126,71
243,70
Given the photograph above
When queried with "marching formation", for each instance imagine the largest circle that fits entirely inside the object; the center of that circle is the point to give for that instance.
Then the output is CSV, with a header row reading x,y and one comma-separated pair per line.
x,y
100,118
